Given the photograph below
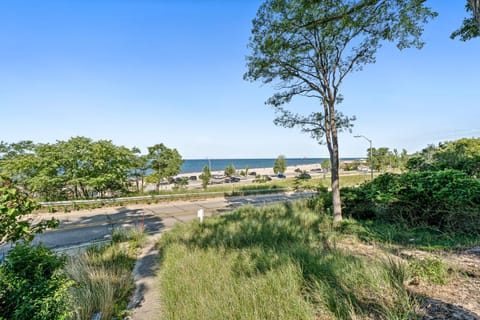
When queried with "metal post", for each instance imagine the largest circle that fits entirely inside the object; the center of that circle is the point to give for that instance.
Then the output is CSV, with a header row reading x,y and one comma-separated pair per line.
x,y
371,160
371,153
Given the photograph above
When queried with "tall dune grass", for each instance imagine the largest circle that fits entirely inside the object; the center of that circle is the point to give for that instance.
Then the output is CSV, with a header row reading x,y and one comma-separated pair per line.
x,y
103,276
277,262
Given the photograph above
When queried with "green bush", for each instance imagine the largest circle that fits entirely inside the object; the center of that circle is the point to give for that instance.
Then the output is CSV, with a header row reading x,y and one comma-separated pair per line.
x,y
448,200
31,285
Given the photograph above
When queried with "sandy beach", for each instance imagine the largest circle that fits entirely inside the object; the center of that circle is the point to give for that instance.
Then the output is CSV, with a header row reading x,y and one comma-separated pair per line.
x,y
262,171
195,184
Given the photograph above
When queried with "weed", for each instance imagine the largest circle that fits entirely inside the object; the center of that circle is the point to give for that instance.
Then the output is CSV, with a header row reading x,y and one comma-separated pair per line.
x,y
430,270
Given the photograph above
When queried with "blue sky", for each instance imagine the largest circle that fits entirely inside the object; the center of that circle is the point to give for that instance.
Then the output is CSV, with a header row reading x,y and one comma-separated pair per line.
x,y
141,72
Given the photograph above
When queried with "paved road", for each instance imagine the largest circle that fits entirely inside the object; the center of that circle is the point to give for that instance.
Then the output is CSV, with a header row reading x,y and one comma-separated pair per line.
x,y
82,227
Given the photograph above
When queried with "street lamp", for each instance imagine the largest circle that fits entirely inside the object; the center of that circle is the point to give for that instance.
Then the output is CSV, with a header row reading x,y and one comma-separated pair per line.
x,y
371,153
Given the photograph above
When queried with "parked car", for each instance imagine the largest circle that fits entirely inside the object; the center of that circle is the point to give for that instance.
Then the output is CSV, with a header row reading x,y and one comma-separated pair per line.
x,y
234,179
281,176
192,178
252,173
267,178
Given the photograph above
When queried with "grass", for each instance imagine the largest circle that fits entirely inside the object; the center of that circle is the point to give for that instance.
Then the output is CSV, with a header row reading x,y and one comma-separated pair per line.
x,y
424,238
103,277
277,262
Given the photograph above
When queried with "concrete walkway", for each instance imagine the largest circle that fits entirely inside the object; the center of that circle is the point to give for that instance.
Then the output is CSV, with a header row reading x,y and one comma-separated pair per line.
x,y
145,303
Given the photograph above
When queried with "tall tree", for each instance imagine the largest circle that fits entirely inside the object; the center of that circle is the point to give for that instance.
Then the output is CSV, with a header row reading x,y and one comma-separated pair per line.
x,y
308,47
164,162
280,165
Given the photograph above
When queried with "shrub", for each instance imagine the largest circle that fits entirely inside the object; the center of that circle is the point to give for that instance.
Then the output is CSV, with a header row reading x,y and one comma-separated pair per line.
x,y
448,200
31,285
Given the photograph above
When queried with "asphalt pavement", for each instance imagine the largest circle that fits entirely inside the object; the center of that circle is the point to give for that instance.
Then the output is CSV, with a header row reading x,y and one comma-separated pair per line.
x,y
82,228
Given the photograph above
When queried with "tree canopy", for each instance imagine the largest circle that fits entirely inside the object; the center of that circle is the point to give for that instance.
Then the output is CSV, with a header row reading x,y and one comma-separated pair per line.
x,y
471,26
462,155
81,168
164,162
308,47
78,167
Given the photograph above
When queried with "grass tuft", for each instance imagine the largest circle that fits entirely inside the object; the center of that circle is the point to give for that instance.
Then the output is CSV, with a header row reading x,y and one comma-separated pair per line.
x,y
103,276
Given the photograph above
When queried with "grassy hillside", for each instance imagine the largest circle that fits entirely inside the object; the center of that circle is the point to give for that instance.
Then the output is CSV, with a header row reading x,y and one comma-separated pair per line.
x,y
279,262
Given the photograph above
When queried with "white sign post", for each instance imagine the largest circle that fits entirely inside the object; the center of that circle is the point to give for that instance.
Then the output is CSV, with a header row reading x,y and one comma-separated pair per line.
x,y
200,214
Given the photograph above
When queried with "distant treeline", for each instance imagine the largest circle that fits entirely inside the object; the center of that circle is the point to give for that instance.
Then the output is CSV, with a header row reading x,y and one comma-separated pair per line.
x,y
81,168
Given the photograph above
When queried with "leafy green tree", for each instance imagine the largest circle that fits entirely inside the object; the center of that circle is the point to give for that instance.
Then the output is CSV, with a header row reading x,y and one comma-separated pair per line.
x,y
164,162
14,205
230,170
381,158
309,47
75,168
205,177
462,155
471,25
280,165
247,167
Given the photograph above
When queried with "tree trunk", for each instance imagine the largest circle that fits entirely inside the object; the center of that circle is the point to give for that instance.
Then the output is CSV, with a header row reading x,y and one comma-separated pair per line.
x,y
332,144
337,208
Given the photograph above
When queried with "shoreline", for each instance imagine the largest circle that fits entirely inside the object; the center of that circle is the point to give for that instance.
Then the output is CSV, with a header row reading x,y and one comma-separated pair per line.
x,y
290,170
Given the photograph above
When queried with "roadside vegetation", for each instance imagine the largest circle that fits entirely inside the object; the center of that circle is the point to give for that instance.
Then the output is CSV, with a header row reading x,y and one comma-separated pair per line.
x,y
38,283
102,276
278,262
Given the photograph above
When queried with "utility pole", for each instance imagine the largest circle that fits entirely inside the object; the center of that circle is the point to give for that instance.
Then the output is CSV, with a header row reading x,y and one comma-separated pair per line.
x,y
371,154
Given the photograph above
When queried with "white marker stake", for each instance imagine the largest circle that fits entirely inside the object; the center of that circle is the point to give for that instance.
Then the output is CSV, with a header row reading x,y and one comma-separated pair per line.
x,y
200,215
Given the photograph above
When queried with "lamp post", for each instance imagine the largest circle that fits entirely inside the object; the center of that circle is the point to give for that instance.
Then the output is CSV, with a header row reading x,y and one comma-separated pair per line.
x,y
371,153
